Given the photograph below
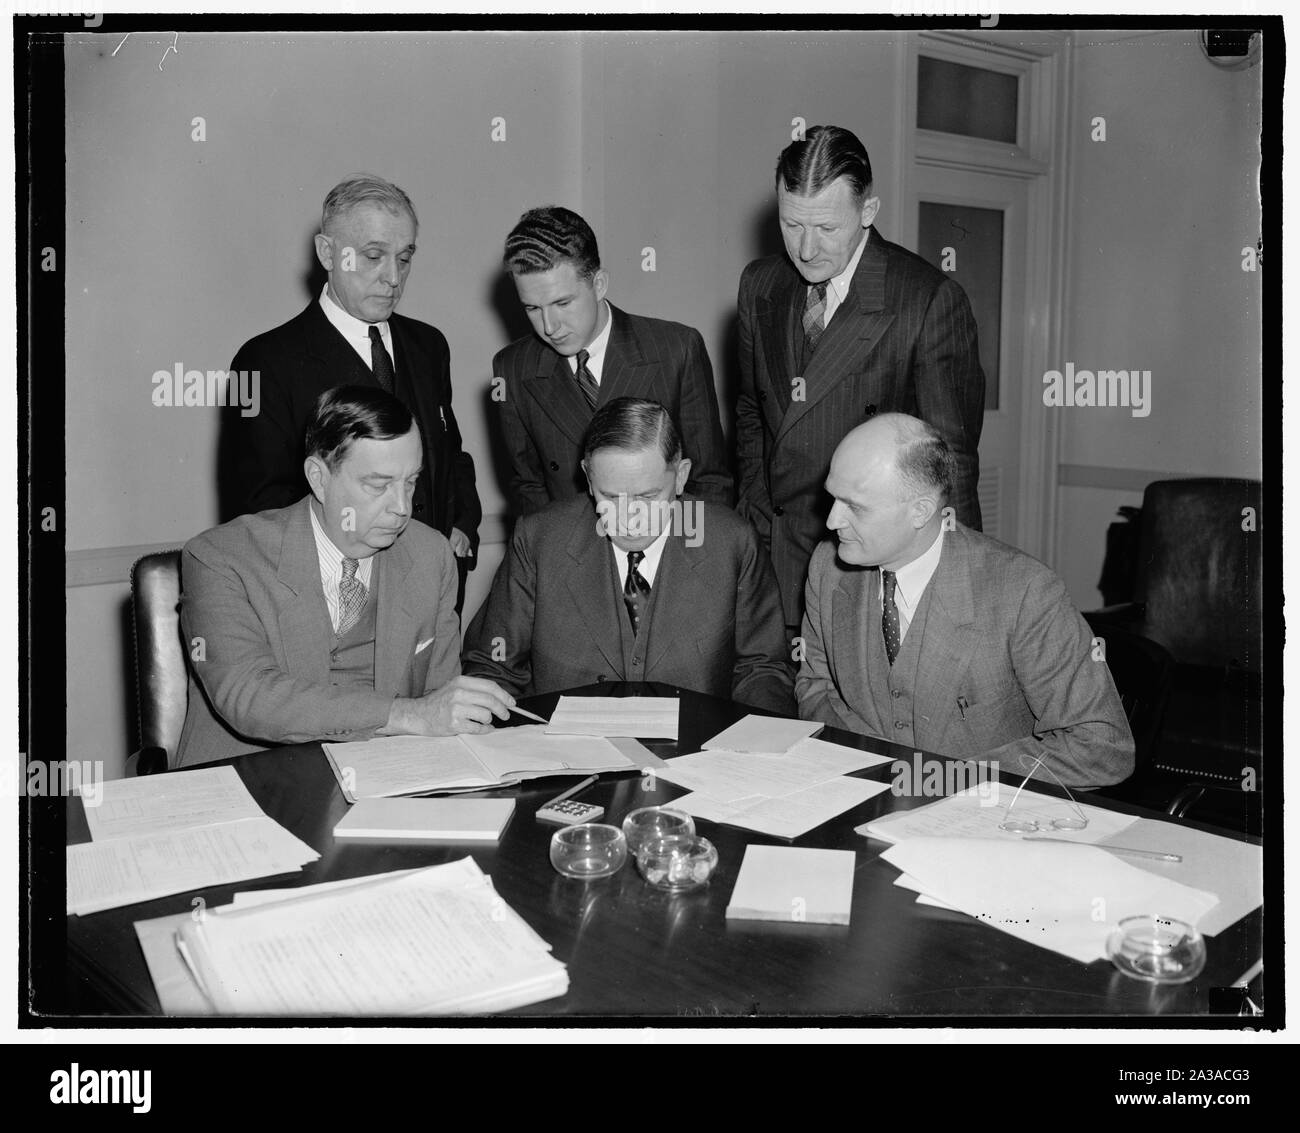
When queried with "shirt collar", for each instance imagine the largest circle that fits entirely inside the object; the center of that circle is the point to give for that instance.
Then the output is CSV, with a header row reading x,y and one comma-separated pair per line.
x,y
841,282
348,325
915,576
331,558
653,553
596,350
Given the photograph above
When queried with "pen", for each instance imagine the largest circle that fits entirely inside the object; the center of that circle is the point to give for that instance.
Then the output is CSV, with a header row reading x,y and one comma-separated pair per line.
x,y
1158,855
587,782
530,715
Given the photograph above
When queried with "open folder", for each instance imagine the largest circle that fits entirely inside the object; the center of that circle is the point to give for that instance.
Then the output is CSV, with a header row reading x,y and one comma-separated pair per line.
x,y
414,765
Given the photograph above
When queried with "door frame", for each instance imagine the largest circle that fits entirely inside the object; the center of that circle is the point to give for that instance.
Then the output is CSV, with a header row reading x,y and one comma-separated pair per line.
x,y
1042,155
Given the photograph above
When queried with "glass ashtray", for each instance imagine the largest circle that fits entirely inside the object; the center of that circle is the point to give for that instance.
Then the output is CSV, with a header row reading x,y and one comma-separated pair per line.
x,y
590,849
678,863
1157,949
651,822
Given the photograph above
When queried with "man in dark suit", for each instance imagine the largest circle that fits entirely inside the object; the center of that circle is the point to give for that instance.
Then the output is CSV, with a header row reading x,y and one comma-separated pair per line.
x,y
647,585
921,631
843,326
352,334
333,618
586,353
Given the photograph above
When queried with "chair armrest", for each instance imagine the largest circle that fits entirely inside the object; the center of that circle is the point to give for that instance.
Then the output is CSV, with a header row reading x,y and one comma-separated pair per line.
x,y
1187,798
146,761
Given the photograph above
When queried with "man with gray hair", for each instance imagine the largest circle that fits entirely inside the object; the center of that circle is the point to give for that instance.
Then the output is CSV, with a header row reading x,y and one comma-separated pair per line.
x,y
921,631
352,335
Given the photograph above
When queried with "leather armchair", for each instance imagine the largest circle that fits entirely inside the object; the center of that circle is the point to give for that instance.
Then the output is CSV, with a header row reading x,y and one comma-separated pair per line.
x,y
162,678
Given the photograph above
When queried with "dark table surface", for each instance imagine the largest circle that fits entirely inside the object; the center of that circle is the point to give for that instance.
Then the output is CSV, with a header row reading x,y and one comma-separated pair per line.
x,y
635,951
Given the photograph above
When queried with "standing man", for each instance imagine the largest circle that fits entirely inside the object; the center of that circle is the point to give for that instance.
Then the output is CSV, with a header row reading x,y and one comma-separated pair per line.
x,y
925,633
585,354
352,334
844,326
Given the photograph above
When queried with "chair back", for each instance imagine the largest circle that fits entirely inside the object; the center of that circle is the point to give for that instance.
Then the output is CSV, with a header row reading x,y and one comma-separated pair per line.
x,y
1143,673
162,678
1199,570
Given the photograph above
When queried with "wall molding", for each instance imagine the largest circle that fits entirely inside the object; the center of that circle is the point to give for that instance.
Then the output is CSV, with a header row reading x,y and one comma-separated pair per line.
x,y
108,566
1115,479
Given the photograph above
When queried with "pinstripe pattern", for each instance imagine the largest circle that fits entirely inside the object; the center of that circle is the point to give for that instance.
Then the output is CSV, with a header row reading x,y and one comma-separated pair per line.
x,y
544,415
904,340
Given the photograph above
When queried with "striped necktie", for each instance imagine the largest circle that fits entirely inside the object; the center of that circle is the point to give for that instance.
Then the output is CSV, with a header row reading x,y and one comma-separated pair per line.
x,y
636,590
814,316
381,365
352,597
586,383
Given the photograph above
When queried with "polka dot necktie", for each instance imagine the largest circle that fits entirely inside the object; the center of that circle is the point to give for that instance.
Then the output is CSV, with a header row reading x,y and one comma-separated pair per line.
x,y
636,590
586,383
381,365
352,596
889,620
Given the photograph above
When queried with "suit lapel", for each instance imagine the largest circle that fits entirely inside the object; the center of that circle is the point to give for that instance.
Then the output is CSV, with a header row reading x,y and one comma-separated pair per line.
x,y
851,606
304,618
948,642
396,623
624,373
858,325
686,587
777,315
589,586
333,354
553,387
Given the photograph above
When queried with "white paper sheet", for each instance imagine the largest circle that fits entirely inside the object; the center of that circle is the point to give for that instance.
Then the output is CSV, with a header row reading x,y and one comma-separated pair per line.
x,y
793,885
156,804
970,815
648,717
768,734
1063,897
788,816
531,751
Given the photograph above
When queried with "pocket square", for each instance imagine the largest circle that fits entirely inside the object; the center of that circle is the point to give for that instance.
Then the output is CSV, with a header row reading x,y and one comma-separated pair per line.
x,y
423,646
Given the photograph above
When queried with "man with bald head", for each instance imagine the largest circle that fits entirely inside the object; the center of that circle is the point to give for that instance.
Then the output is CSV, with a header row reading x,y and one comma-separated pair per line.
x,y
923,632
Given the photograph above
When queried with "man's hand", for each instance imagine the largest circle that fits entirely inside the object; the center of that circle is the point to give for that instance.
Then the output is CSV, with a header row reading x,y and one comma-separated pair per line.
x,y
460,543
466,704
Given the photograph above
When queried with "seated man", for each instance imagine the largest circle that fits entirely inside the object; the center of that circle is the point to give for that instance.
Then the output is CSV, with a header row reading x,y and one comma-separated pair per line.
x,y
921,631
333,618
646,585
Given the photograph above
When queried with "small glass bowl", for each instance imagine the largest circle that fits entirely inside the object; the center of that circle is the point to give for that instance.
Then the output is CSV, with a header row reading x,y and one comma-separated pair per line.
x,y
677,863
590,849
651,822
1157,949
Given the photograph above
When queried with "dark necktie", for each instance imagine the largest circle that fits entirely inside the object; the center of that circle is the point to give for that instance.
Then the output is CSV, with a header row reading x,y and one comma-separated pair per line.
x,y
636,590
889,619
381,365
586,383
814,316
352,596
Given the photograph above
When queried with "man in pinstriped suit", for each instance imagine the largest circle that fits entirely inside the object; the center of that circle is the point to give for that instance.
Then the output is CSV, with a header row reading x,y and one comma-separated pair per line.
x,y
842,327
586,352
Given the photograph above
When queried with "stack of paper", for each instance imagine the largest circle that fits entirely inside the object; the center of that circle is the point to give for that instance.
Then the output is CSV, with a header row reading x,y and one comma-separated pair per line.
x,y
650,717
164,834
1064,897
797,886
784,794
423,942
410,765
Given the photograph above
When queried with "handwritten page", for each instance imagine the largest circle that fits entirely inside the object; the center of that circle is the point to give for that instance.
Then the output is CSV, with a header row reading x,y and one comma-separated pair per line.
x,y
124,871
405,765
763,734
785,816
648,717
431,942
1063,897
799,886
157,804
977,813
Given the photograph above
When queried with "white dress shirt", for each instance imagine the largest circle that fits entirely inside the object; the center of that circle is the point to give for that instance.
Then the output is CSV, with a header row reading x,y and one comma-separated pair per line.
x,y
649,565
912,581
838,288
355,331
331,567
596,351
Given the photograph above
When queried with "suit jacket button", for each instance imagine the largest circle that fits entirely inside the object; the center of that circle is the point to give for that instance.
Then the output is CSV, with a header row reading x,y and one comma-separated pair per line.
x,y
778,510
896,692
417,509
900,724
869,410
555,466
600,680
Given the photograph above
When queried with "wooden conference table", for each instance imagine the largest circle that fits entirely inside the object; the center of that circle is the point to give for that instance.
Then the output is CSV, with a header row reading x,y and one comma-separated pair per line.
x,y
634,951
